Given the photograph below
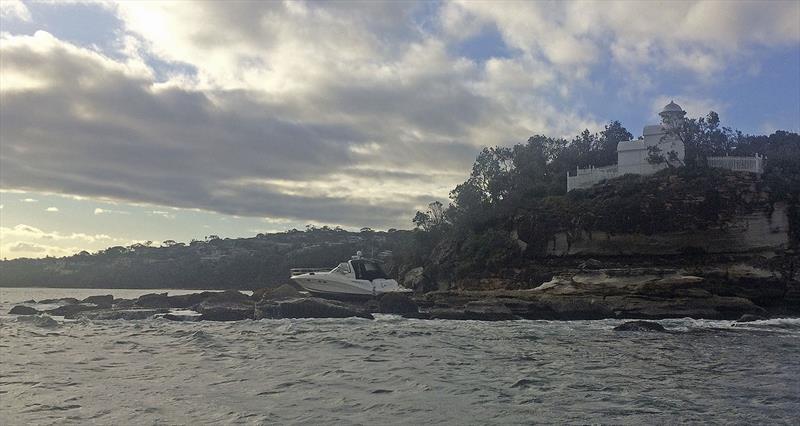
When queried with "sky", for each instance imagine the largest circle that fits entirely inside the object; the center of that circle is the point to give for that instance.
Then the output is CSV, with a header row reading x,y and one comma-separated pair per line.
x,y
124,122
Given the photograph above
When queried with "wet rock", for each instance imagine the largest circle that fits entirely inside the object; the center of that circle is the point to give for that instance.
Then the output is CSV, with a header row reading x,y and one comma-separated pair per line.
x,y
183,316
750,318
43,321
120,314
225,311
647,326
124,303
283,292
396,303
62,301
311,307
488,310
23,310
104,301
71,311
153,300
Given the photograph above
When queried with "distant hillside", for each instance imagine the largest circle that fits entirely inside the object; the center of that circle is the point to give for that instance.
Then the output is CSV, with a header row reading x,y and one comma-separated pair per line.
x,y
242,263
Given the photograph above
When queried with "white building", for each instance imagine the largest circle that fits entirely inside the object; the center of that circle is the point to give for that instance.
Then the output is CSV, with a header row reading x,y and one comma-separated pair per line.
x,y
632,155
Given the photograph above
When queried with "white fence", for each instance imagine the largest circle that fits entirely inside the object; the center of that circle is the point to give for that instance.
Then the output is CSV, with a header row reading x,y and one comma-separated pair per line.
x,y
585,178
741,164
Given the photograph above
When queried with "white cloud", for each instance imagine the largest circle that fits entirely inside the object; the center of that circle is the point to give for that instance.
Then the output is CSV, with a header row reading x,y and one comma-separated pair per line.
x,y
22,231
319,112
14,9
99,211
29,200
52,209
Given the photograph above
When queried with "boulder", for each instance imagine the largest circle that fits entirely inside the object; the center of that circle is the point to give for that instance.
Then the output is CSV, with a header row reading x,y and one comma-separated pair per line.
x,y
285,291
104,301
488,310
311,307
417,280
43,321
646,326
119,314
396,303
124,303
62,301
183,316
225,311
153,300
23,310
71,311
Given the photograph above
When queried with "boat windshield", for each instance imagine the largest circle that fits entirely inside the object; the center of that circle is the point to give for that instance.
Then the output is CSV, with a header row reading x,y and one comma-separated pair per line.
x,y
343,269
368,270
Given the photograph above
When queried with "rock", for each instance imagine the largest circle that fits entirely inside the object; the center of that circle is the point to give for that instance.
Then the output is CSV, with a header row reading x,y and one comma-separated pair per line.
x,y
417,280
225,311
124,303
103,301
120,314
285,291
647,326
311,307
750,318
183,316
153,300
23,310
31,301
71,311
488,310
396,303
43,321
62,301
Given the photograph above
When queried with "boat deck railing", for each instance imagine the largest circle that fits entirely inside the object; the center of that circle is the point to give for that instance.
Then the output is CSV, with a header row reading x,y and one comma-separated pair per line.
x,y
300,271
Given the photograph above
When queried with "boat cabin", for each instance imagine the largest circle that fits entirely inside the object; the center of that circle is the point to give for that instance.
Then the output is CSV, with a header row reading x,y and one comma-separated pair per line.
x,y
362,269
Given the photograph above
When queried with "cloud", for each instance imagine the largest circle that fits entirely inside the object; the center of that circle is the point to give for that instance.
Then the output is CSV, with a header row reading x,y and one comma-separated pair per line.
x,y
316,112
29,200
14,9
22,231
99,211
52,209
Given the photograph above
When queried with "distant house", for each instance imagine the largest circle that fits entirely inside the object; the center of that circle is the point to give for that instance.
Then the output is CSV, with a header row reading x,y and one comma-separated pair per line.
x,y
632,156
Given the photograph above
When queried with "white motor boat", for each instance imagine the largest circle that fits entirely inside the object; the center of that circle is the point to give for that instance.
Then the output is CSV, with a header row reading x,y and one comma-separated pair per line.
x,y
358,276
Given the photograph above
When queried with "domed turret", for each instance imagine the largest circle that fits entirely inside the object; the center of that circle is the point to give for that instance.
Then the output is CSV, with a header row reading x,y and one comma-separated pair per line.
x,y
672,114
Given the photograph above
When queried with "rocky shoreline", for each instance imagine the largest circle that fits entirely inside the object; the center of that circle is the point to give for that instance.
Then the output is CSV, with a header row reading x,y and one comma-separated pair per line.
x,y
721,293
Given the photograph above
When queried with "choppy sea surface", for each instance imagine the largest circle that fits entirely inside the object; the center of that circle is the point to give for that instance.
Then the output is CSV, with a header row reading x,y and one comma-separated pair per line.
x,y
392,371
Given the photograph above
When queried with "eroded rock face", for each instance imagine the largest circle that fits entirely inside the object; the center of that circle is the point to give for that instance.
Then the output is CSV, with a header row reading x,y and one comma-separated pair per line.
x,y
646,326
595,294
311,307
23,310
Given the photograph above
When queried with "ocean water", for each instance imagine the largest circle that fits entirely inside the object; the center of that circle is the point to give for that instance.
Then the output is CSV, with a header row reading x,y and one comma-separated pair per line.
x,y
392,371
